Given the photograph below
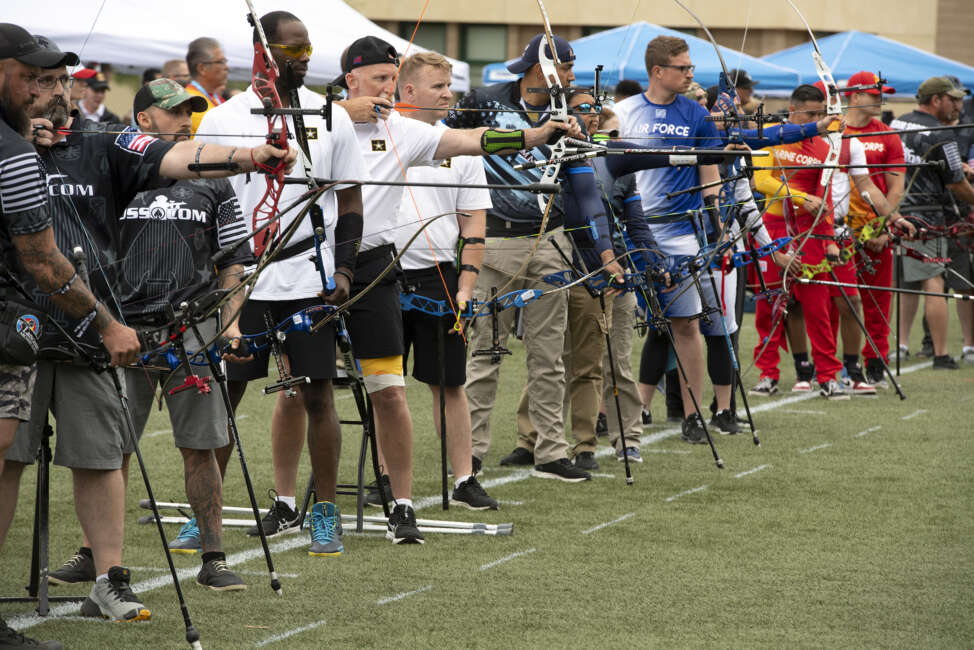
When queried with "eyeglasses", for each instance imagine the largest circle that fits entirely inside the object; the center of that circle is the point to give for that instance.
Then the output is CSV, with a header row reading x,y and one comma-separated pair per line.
x,y
682,68
215,62
587,108
51,82
293,51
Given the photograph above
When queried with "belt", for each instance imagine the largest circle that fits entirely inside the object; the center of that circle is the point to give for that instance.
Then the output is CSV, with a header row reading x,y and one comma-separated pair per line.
x,y
373,254
498,227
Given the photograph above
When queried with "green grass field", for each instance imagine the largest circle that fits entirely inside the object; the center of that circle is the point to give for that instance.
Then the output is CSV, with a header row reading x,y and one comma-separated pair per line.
x,y
851,526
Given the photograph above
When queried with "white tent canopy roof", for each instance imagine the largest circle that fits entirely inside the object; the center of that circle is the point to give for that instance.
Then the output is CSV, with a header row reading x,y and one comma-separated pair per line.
x,y
144,34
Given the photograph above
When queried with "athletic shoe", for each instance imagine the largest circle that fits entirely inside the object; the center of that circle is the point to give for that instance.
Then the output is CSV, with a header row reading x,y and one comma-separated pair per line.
x,y
10,638
326,530
79,568
216,575
112,598
926,351
805,371
903,353
861,387
520,456
402,528
632,453
647,418
802,386
693,431
586,460
372,498
876,374
832,391
477,465
766,387
188,539
967,354
601,426
279,519
945,362
470,494
561,469
725,422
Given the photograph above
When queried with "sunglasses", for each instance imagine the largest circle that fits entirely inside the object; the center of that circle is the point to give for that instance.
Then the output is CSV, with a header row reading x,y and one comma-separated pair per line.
x,y
293,51
587,108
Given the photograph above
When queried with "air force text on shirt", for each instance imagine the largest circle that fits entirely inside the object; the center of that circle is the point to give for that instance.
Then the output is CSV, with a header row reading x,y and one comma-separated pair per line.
x,y
162,209
662,128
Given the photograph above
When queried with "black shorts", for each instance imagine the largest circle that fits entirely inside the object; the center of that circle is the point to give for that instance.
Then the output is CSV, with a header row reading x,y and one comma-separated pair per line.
x,y
960,255
375,322
310,355
422,331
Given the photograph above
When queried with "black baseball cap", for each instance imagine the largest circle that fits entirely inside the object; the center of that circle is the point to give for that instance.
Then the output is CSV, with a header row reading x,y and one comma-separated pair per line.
x,y
741,79
530,54
368,50
17,43
67,58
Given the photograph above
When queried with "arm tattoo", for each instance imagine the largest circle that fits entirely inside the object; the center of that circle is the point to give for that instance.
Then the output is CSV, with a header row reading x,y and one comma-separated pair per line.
x,y
228,278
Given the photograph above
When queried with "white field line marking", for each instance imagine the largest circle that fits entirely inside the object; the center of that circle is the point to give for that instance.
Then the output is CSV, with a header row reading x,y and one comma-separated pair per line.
x,y
815,448
405,594
246,572
243,416
283,635
608,523
666,451
160,432
28,621
510,503
602,475
685,493
752,471
508,558
914,414
867,431
803,412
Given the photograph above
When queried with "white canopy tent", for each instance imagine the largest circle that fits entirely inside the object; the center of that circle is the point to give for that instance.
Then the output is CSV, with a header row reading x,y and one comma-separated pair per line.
x,y
138,34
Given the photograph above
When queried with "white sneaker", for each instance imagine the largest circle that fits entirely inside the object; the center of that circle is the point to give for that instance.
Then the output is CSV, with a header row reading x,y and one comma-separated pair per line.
x,y
832,391
967,355
114,599
802,386
861,388
766,387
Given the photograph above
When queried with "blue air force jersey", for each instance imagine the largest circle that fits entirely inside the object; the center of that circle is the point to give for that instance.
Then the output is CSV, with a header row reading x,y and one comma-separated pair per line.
x,y
681,123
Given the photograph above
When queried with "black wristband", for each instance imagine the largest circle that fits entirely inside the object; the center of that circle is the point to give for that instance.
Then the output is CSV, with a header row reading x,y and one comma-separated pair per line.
x,y
469,267
347,275
473,240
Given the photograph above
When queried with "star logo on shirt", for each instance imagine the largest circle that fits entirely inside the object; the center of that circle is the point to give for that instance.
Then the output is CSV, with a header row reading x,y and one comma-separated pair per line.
x,y
448,163
378,145
311,132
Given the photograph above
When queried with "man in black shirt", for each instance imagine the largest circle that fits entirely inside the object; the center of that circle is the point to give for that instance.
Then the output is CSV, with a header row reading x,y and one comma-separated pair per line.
x,y
93,172
939,103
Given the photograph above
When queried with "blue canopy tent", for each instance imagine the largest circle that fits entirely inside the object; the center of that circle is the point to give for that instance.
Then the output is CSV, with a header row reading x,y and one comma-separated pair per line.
x,y
622,49
905,67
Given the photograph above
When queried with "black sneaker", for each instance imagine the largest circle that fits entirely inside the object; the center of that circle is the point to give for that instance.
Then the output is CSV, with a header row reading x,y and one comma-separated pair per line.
x,y
216,575
477,465
402,528
520,456
693,431
647,418
80,567
601,426
725,422
372,498
279,519
945,362
472,495
586,460
926,351
876,374
10,638
561,469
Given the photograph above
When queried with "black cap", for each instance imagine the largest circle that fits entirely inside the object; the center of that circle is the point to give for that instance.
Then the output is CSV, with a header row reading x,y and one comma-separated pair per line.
x,y
741,79
368,50
530,54
67,58
16,43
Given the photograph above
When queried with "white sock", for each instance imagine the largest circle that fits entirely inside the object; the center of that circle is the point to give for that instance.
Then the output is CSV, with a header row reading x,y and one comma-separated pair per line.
x,y
101,576
289,501
403,502
460,481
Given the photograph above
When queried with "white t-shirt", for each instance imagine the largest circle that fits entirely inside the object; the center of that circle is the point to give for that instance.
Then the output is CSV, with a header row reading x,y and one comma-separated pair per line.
x,y
443,234
333,155
390,147
841,187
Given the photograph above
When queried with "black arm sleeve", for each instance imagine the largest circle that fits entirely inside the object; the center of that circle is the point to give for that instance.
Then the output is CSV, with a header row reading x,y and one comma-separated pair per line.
x,y
348,236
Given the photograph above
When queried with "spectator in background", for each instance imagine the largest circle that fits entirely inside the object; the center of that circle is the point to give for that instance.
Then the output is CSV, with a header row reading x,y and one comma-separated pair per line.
x,y
744,86
697,94
626,88
92,101
150,74
208,70
177,70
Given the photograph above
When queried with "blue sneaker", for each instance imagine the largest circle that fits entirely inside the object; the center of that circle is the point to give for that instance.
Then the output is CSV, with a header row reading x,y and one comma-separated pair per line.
x,y
632,453
326,530
188,539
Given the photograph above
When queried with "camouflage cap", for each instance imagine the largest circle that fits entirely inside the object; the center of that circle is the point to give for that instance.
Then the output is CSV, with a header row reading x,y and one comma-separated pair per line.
x,y
166,94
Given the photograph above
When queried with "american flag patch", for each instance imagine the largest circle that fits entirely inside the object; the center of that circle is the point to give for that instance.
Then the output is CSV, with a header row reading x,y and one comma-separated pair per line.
x,y
134,141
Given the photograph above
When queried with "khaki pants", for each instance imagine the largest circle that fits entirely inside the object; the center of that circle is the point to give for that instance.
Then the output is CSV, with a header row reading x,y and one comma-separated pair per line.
x,y
623,318
582,357
544,337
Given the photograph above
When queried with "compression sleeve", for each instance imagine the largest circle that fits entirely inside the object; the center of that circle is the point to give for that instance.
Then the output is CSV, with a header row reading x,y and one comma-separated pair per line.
x,y
779,134
585,216
348,236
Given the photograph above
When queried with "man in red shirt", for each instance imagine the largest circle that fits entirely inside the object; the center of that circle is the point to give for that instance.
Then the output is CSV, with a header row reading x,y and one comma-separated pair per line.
x,y
862,117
